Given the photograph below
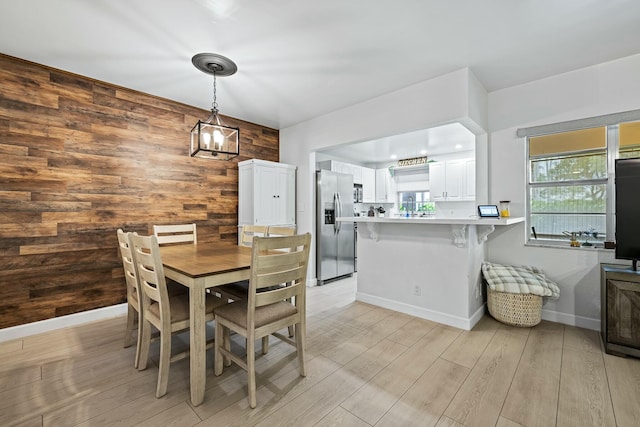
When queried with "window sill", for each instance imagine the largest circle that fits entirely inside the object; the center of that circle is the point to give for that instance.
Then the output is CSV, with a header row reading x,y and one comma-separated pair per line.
x,y
565,245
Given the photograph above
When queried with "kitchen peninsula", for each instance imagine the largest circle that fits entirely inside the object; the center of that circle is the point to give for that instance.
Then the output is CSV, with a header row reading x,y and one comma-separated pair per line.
x,y
425,266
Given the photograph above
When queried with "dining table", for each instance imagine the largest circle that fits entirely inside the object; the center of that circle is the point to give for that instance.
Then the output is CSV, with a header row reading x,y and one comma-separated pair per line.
x,y
199,267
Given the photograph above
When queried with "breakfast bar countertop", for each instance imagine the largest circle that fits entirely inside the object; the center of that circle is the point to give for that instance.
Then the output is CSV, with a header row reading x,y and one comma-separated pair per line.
x,y
470,220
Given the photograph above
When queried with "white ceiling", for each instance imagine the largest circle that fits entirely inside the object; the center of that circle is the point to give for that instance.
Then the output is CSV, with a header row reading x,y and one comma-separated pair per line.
x,y
429,142
299,59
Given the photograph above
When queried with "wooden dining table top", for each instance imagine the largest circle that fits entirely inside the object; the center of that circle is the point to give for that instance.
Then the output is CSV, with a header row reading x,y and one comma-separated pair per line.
x,y
205,259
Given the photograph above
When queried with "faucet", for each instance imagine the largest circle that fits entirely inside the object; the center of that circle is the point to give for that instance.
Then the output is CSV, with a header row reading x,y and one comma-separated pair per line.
x,y
410,205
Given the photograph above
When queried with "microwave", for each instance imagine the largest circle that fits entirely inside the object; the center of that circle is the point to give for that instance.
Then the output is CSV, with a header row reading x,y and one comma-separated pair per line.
x,y
357,193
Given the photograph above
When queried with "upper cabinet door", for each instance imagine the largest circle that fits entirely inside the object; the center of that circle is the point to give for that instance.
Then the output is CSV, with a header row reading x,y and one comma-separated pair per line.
x,y
437,183
469,179
368,185
454,180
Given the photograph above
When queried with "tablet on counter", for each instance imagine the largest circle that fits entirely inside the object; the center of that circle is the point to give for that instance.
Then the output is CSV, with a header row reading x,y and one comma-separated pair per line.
x,y
488,211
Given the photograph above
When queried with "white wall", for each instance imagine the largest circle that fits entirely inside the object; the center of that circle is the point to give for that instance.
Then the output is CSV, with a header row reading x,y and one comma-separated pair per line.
x,y
443,100
603,89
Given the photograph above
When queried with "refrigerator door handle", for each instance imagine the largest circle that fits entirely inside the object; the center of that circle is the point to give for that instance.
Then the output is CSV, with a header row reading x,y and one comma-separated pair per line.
x,y
339,211
336,210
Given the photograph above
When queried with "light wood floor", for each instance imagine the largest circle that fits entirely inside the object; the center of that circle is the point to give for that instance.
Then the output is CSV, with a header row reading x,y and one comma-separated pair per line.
x,y
366,366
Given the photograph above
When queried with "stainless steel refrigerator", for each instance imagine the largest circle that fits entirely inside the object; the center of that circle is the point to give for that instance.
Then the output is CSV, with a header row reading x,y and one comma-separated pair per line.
x,y
335,252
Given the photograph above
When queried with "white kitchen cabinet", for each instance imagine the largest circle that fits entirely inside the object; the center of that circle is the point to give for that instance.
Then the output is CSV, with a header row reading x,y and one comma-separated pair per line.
x,y
469,179
448,180
266,193
348,168
385,191
368,185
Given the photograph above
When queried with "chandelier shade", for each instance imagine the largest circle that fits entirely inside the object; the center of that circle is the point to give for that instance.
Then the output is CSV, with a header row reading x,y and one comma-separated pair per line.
x,y
213,138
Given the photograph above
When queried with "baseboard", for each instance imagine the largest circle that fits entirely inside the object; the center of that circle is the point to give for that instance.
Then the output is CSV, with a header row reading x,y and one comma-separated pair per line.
x,y
412,310
22,331
571,319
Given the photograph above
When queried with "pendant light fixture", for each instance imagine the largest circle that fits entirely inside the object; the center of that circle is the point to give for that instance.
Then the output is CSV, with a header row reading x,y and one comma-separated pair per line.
x,y
213,139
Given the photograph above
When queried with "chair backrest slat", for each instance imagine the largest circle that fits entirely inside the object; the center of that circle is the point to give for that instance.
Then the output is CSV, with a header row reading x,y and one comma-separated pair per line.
x,y
275,295
179,233
275,230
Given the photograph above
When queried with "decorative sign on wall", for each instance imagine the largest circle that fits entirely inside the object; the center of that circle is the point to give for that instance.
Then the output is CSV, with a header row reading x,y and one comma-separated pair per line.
x,y
413,162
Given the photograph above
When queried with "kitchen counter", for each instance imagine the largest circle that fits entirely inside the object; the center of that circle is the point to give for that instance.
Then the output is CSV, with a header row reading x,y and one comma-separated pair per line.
x,y
433,220
428,267
458,224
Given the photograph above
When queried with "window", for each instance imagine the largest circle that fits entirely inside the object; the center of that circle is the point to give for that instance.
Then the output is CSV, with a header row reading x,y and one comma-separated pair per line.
x,y
570,181
416,201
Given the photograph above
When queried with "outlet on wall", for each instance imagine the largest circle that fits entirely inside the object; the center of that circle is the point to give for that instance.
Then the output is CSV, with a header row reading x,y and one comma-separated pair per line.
x,y
417,291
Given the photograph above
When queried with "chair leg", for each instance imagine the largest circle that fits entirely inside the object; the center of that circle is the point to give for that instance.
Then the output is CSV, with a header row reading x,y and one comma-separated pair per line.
x,y
218,364
165,358
265,344
226,341
131,321
136,363
144,346
300,347
290,301
251,370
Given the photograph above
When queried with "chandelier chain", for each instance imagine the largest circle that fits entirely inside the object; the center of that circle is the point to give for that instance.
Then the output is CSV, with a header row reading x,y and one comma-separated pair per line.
x,y
214,104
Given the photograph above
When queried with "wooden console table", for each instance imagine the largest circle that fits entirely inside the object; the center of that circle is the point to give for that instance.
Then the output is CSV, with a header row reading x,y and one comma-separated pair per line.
x,y
620,314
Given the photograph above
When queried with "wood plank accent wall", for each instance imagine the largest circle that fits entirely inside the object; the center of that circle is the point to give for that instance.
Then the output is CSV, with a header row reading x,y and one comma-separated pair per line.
x,y
80,158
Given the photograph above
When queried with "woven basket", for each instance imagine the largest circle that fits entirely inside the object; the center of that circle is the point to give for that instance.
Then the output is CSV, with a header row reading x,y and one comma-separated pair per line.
x,y
522,310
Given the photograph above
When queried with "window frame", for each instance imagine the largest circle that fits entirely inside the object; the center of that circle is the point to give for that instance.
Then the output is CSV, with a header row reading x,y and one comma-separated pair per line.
x,y
568,183
612,123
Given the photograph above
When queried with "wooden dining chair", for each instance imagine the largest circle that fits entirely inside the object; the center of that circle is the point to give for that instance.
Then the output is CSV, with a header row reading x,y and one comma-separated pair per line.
x,y
238,290
167,313
176,234
250,231
133,295
180,233
276,230
274,261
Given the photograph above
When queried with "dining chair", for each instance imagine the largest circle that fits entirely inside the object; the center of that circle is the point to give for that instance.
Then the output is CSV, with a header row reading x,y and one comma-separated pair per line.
x,y
250,231
180,233
167,313
176,234
238,290
276,230
133,295
274,261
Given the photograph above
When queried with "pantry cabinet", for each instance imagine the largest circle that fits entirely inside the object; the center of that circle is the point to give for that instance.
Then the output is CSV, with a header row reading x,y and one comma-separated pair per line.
x,y
266,193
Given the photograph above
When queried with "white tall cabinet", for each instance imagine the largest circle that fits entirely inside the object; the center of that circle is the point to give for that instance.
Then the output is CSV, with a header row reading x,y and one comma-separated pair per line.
x,y
266,193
